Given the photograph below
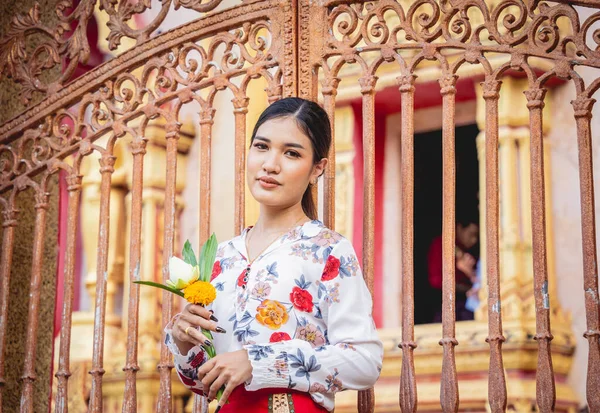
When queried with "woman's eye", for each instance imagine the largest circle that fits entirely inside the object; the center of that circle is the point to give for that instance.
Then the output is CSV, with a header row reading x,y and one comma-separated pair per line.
x,y
260,146
293,154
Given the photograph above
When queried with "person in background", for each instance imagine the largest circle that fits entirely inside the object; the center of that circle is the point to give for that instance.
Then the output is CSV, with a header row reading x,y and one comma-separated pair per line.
x,y
467,235
473,301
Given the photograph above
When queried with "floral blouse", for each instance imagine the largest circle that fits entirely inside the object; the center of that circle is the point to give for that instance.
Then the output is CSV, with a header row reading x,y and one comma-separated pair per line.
x,y
302,311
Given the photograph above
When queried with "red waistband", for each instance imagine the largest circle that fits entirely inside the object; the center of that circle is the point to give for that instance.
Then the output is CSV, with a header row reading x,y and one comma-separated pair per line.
x,y
242,400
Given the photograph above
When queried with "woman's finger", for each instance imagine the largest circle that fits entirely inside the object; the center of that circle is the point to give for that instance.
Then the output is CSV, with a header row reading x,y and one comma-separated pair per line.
x,y
179,328
209,379
185,332
229,388
204,369
219,382
198,310
199,321
198,336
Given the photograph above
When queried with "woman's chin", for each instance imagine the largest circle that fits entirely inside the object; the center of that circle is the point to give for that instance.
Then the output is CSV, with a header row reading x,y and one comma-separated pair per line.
x,y
272,201
265,198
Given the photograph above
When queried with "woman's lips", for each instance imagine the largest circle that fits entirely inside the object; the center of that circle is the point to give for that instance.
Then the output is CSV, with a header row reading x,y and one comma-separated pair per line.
x,y
268,183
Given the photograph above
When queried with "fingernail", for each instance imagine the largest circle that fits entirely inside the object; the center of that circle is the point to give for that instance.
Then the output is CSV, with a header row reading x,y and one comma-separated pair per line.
x,y
220,330
213,318
207,342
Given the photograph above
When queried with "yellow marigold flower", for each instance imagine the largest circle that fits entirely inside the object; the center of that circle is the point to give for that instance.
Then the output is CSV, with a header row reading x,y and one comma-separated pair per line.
x,y
272,314
200,292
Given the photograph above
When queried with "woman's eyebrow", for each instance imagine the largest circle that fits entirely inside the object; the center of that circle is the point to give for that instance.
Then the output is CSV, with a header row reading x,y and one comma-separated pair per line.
x,y
294,145
287,144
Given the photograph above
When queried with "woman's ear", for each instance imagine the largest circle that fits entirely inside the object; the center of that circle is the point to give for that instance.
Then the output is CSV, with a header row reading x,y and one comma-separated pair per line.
x,y
318,169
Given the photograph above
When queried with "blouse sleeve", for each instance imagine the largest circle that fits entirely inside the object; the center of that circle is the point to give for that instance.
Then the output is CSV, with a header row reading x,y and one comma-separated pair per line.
x,y
352,355
186,364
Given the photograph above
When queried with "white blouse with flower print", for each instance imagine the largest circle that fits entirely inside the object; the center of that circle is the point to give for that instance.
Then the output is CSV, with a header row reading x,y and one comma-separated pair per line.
x,y
302,311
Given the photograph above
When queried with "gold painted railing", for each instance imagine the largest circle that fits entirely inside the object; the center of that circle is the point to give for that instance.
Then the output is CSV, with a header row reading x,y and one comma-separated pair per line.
x,y
299,48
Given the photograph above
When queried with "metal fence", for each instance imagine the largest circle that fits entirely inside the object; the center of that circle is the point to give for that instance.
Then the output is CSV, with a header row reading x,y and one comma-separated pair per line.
x,y
300,48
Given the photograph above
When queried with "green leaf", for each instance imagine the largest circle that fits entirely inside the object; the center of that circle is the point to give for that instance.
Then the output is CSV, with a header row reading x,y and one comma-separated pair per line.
x,y
164,287
188,254
209,349
207,257
207,334
220,394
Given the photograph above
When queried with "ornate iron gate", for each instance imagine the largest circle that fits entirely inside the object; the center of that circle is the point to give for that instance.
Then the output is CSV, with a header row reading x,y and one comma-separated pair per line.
x,y
300,48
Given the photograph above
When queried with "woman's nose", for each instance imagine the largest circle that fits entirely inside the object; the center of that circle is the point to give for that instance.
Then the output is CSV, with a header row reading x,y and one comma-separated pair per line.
x,y
271,164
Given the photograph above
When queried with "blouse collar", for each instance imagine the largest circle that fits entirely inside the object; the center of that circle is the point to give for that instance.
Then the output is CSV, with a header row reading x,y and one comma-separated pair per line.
x,y
307,230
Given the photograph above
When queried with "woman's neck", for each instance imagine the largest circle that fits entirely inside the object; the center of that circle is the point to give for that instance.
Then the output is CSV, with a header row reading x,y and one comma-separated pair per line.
x,y
280,219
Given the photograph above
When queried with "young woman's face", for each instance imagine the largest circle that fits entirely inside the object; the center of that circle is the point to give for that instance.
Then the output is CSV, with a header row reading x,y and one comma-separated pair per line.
x,y
280,163
468,235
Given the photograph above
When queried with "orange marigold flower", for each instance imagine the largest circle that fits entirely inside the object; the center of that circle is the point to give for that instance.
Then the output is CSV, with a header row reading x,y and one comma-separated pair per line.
x,y
272,314
200,292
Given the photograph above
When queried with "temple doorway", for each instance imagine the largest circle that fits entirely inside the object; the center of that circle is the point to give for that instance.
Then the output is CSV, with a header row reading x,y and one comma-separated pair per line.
x,y
428,204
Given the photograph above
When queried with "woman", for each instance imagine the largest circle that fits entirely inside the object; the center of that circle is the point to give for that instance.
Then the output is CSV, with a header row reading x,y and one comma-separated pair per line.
x,y
293,314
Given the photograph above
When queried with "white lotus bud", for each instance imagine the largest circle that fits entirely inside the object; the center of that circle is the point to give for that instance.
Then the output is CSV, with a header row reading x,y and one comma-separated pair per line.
x,y
181,273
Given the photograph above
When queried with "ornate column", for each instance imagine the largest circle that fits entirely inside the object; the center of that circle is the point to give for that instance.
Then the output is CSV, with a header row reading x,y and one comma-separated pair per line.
x,y
344,171
512,126
515,246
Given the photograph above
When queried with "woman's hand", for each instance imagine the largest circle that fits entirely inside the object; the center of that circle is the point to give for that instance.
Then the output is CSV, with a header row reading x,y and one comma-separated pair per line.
x,y
466,263
229,370
186,333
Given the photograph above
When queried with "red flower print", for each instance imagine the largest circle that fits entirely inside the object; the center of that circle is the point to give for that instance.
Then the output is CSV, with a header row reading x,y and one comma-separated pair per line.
x,y
301,299
216,270
185,380
242,279
277,337
332,268
198,360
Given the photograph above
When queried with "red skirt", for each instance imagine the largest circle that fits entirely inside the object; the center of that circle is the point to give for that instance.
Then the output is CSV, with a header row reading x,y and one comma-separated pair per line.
x,y
261,401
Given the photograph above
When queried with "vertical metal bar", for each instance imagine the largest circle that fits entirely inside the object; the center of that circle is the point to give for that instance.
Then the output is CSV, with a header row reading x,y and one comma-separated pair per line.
x,y
496,380
449,385
329,91
200,404
240,110
545,387
63,373
206,122
408,383
41,206
138,149
165,397
107,163
9,215
583,115
367,84
366,398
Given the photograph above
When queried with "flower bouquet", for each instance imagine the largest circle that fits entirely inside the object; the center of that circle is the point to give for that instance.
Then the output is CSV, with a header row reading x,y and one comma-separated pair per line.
x,y
190,278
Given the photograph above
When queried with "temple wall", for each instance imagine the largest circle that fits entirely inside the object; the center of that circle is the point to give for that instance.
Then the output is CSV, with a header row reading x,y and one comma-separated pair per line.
x,y
566,209
23,253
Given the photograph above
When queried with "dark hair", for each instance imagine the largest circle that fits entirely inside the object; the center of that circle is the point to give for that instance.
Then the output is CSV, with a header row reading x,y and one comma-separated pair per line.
x,y
313,122
467,216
